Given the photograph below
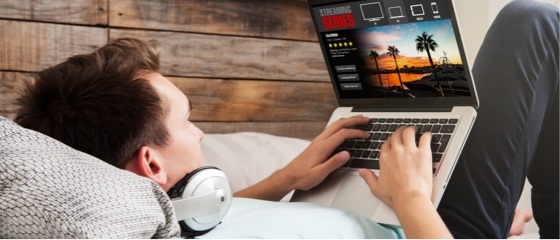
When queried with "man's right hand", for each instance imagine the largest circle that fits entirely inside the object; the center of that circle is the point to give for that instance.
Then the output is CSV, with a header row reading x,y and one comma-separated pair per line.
x,y
313,165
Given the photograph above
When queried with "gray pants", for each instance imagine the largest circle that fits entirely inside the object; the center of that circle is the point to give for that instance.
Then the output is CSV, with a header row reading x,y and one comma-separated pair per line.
x,y
516,133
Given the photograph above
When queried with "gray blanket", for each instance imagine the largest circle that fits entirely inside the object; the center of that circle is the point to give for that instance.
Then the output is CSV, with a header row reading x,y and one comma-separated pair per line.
x,y
49,190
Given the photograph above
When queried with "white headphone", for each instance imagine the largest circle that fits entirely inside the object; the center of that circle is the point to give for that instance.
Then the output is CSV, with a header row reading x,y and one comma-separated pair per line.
x,y
201,200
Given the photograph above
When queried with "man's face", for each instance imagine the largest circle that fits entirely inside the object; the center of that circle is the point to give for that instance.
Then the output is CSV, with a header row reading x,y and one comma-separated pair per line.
x,y
182,153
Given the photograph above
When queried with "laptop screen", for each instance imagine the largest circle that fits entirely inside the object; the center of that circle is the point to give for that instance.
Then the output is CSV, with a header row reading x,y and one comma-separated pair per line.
x,y
393,49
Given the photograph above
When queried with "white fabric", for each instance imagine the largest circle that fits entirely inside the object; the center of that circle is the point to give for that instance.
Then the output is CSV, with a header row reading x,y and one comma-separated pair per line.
x,y
248,157
250,218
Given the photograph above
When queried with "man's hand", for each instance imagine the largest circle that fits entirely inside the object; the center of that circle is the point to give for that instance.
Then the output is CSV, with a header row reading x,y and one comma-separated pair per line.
x,y
313,165
404,167
405,183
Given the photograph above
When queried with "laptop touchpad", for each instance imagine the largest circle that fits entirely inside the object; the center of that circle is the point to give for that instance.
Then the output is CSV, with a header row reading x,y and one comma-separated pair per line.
x,y
354,196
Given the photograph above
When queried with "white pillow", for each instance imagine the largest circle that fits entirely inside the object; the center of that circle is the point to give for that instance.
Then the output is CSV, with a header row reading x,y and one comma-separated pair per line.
x,y
248,157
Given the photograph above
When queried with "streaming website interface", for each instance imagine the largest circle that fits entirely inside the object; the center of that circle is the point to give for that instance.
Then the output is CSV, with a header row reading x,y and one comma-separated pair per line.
x,y
391,48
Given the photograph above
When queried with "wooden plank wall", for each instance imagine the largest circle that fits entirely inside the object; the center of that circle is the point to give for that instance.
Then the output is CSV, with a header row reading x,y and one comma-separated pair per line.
x,y
247,65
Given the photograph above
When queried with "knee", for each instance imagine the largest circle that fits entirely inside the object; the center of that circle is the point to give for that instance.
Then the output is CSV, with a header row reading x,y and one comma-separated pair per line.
x,y
536,21
530,12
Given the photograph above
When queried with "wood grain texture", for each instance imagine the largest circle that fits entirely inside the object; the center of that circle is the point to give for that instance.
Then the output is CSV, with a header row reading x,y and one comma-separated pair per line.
x,y
11,85
247,65
257,101
32,46
257,18
87,12
303,130
200,55
225,106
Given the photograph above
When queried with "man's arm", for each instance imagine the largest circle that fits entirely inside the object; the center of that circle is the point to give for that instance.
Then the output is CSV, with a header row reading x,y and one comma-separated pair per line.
x,y
312,166
405,183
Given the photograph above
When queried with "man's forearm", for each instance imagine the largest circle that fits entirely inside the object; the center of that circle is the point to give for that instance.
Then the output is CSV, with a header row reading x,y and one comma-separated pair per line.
x,y
418,217
272,188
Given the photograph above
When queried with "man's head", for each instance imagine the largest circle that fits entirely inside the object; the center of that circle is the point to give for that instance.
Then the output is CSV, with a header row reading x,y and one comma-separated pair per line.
x,y
114,105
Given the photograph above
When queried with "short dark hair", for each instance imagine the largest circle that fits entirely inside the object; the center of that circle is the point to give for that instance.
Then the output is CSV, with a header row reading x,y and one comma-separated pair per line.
x,y
98,103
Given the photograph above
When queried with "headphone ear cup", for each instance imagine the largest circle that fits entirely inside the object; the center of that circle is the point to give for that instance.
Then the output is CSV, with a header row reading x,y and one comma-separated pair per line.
x,y
204,201
209,181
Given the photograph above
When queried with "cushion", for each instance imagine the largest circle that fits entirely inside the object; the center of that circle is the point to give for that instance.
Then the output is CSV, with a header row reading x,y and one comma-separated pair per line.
x,y
49,190
248,157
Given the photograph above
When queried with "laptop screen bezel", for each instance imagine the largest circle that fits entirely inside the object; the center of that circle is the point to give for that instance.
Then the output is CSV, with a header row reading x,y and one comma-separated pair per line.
x,y
408,103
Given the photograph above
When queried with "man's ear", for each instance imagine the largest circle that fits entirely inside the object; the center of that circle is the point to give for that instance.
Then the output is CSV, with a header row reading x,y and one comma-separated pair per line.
x,y
147,163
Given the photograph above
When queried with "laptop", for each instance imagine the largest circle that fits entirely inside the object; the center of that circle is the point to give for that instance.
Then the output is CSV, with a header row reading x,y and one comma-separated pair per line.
x,y
378,56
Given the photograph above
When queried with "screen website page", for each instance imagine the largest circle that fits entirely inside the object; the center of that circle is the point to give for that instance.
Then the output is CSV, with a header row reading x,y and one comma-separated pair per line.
x,y
391,49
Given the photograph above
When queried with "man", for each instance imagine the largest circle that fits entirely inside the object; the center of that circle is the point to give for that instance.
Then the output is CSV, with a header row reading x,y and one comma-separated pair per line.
x,y
134,118
115,105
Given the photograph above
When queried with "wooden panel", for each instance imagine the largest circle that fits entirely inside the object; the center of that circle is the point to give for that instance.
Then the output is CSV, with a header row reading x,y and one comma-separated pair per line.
x,y
11,84
255,101
220,106
201,55
262,18
303,130
30,46
247,65
88,12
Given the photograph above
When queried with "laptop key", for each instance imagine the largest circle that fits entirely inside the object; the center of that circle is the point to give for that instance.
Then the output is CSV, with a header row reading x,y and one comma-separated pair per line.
x,y
435,147
447,129
427,128
436,157
444,141
435,129
364,163
374,154
385,127
358,153
384,136
366,154
374,145
436,138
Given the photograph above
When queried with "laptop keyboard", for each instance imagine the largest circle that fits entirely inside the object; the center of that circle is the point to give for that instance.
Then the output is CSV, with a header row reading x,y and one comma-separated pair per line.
x,y
365,152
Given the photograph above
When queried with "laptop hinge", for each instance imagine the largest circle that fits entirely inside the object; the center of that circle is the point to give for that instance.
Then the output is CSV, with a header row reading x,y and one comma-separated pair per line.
x,y
401,109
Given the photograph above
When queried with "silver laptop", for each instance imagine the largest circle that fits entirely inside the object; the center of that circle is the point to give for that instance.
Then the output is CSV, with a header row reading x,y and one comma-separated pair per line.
x,y
378,57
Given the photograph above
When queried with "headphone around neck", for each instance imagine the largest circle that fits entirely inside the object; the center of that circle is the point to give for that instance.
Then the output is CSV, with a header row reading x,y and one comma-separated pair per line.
x,y
201,200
